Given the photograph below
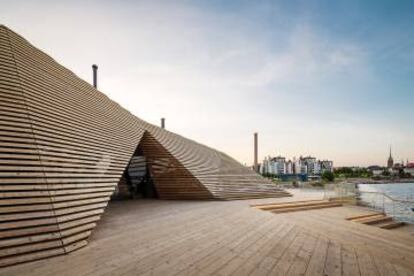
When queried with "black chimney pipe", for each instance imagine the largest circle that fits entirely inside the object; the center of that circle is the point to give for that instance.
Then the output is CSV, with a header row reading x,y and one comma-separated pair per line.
x,y
255,163
162,122
95,75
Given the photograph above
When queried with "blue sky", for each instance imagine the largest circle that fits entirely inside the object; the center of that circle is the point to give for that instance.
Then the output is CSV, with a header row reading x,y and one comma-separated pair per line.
x,y
334,79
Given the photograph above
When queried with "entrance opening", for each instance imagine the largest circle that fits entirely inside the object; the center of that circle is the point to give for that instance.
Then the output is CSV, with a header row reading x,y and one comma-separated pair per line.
x,y
153,172
136,182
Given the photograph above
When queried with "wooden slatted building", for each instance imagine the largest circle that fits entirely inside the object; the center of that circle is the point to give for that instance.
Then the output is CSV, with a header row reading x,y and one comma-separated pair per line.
x,y
64,147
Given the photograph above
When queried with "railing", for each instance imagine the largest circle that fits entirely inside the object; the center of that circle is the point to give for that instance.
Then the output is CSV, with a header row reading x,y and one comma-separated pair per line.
x,y
399,209
340,190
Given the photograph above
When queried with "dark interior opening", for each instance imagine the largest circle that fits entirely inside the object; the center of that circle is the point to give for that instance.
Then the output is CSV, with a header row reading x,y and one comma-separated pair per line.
x,y
136,181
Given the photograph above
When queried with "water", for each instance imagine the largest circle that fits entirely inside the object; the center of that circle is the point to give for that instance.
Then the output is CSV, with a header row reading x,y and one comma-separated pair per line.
x,y
400,208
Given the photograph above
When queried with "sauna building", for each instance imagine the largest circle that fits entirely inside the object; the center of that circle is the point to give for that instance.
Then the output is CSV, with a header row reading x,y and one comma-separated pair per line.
x,y
66,148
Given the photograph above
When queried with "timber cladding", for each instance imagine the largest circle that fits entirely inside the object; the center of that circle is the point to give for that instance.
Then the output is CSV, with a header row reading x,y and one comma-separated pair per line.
x,y
64,147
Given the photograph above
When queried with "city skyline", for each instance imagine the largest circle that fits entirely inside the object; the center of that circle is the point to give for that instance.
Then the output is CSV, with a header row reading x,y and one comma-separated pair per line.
x,y
383,163
327,80
294,157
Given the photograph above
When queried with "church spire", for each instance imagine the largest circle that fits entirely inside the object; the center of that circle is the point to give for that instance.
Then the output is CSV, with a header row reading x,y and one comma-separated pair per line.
x,y
390,162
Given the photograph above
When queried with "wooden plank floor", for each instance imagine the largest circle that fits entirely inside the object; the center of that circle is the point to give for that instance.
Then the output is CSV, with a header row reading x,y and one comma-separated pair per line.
x,y
155,237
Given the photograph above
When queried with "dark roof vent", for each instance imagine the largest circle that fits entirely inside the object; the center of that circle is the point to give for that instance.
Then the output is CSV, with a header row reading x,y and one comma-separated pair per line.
x,y
95,75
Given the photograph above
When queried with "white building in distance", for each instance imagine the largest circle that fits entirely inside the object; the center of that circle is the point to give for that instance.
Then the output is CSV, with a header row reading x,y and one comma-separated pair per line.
x,y
307,165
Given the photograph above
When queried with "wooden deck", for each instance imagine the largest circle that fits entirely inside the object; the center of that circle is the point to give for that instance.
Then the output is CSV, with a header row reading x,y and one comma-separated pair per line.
x,y
155,237
64,147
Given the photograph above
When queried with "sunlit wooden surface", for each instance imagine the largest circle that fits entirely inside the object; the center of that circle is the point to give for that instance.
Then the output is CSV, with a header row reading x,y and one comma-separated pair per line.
x,y
155,237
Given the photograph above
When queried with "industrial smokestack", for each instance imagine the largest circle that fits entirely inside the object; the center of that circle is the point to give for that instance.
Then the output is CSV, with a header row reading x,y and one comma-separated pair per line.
x,y
95,75
162,122
255,165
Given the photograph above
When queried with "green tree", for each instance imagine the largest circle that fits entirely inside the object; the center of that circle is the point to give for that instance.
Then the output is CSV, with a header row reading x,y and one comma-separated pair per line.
x,y
328,176
349,172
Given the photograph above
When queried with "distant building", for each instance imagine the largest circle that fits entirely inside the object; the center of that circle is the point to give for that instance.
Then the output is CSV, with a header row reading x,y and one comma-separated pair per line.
x,y
409,168
390,162
289,167
326,165
303,167
279,165
311,165
376,170
399,169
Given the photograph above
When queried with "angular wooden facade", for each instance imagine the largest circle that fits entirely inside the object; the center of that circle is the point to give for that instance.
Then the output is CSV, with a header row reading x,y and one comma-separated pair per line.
x,y
64,147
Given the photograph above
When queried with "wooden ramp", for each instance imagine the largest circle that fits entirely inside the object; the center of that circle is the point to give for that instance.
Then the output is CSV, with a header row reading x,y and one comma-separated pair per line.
x,y
380,220
297,206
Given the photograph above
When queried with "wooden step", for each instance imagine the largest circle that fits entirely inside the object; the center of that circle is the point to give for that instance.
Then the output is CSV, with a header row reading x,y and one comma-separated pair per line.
x,y
291,204
258,196
391,225
296,205
363,216
287,202
377,220
361,220
304,208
